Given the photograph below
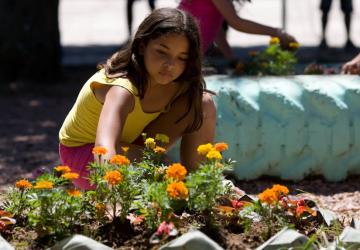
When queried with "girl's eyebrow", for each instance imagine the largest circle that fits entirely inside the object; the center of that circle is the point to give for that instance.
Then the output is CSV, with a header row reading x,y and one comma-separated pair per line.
x,y
163,45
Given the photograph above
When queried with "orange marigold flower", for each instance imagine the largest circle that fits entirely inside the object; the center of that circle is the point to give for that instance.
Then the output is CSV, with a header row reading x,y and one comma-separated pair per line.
x,y
176,171
99,150
213,154
125,149
74,193
70,176
221,146
63,169
159,150
119,160
274,41
268,196
204,148
280,190
23,184
162,138
113,177
150,143
177,190
44,185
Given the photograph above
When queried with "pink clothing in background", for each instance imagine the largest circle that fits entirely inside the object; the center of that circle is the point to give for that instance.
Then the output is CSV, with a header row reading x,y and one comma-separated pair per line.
x,y
208,17
77,158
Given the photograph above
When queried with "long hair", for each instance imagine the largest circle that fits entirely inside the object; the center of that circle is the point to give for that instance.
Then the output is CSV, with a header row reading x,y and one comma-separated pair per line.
x,y
129,63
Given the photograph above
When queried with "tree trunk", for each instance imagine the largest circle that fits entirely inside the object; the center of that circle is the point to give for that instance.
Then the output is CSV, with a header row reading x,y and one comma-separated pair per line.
x,y
29,40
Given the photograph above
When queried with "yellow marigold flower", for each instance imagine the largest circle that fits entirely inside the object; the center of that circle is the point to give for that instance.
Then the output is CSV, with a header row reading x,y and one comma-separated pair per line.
x,y
44,185
113,177
70,176
99,150
150,143
74,193
221,146
274,41
294,45
176,171
23,184
63,169
125,149
204,148
177,190
162,138
119,160
159,150
280,190
268,196
213,154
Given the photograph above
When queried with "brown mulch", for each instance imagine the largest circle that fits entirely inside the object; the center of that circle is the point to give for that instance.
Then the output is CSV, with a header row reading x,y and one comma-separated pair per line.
x,y
31,115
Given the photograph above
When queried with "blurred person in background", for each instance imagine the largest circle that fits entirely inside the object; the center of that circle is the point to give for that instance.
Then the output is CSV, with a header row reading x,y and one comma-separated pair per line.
x,y
129,12
347,8
211,15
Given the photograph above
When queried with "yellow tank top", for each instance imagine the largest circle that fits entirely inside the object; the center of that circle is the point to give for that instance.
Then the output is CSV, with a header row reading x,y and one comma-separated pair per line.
x,y
80,125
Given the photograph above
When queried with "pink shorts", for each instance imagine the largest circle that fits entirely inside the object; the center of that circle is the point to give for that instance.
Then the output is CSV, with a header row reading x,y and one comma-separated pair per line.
x,y
78,158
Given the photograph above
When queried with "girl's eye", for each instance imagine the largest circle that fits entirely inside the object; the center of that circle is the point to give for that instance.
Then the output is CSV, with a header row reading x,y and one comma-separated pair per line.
x,y
161,52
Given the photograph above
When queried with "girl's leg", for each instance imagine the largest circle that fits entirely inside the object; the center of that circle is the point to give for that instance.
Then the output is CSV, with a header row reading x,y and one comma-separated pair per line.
x,y
78,158
166,124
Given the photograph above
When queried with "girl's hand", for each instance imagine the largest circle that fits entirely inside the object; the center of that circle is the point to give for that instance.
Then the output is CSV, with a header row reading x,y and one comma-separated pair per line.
x,y
352,67
285,38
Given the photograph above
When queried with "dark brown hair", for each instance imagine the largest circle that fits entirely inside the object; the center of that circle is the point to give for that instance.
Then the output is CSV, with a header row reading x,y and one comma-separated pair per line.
x,y
128,62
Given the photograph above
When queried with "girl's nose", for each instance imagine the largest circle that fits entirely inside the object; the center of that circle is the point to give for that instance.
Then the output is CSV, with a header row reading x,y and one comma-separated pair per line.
x,y
169,62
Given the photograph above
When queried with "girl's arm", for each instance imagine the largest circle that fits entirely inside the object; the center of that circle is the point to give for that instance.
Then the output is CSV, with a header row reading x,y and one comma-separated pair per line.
x,y
226,8
118,103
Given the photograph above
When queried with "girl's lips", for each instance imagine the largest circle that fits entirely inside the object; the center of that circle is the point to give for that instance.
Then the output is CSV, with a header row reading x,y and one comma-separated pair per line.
x,y
166,74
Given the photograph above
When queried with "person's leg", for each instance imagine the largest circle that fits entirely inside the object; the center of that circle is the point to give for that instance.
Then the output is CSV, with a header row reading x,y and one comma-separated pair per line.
x,y
347,8
129,15
78,158
166,124
152,4
325,8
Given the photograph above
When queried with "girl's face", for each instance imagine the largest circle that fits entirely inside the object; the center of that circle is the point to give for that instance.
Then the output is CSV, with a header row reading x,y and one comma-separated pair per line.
x,y
165,58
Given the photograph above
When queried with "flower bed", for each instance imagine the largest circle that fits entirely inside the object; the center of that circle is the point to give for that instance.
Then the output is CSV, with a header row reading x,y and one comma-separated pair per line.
x,y
146,204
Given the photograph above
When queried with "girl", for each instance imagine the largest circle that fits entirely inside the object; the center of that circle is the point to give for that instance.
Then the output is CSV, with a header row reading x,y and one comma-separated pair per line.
x,y
154,86
212,13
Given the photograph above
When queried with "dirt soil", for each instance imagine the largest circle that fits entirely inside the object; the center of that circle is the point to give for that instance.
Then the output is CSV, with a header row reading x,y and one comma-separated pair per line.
x,y
31,115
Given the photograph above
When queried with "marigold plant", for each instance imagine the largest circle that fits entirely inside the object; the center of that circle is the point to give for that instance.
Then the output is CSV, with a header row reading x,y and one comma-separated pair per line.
x,y
177,190
214,155
150,143
221,146
74,192
119,160
70,176
159,150
204,148
99,150
176,171
44,185
63,169
113,177
23,184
